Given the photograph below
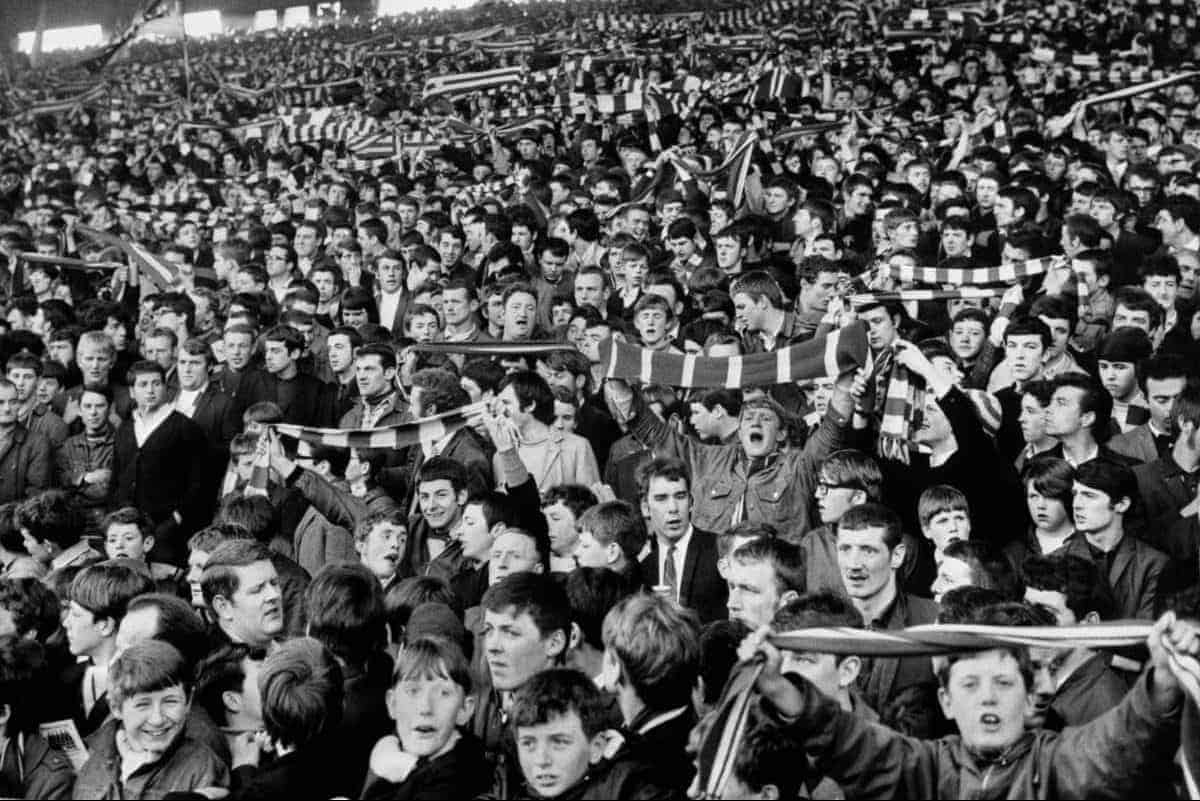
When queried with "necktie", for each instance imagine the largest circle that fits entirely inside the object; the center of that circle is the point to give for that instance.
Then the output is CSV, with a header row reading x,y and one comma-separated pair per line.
x,y
670,577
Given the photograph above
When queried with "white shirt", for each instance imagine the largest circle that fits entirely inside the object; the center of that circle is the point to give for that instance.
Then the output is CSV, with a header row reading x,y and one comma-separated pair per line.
x,y
145,425
186,400
1091,455
389,302
681,546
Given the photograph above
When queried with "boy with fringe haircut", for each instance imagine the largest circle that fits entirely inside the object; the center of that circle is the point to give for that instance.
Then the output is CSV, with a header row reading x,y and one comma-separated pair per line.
x,y
432,754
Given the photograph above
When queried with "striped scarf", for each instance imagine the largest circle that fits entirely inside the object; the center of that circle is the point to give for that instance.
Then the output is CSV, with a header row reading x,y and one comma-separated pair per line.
x,y
1008,273
903,411
827,356
915,295
425,432
719,745
501,349
464,83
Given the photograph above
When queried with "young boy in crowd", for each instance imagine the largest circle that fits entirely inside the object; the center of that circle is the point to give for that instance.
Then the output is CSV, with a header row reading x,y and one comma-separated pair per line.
x,y
563,505
1118,357
558,722
432,754
141,751
988,694
945,517
128,534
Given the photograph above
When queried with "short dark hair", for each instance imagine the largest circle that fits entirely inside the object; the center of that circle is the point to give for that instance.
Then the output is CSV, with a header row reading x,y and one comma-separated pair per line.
x,y
666,468
657,643
222,671
530,388
817,610
146,667
1030,326
51,516
406,595
1093,398
440,388
537,594
439,468
302,692
785,558
386,354
144,367
22,662
220,575
615,521
1114,479
873,515
575,497
106,589
990,568
558,692
1083,588
592,592
345,611
1050,477
178,623
254,513
128,515
32,606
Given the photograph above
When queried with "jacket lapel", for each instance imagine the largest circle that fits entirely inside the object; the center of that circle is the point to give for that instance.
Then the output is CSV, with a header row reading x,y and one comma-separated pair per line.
x,y
691,563
553,455
18,435
1145,444
1126,551
204,401
650,565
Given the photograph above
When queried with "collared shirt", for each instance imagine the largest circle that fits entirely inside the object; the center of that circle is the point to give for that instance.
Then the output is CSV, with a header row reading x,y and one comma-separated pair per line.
x,y
389,302
1162,440
1103,559
681,546
1095,451
186,400
465,336
144,425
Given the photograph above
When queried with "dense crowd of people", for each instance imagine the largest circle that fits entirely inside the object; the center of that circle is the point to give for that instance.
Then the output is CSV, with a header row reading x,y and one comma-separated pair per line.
x,y
319,479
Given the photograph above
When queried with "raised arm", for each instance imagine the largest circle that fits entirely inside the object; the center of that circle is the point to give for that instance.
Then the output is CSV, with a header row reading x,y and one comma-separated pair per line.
x,y
655,434
866,760
1114,755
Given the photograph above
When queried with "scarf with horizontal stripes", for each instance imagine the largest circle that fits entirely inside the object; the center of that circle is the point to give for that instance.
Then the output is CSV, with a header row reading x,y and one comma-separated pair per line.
x,y
719,746
426,432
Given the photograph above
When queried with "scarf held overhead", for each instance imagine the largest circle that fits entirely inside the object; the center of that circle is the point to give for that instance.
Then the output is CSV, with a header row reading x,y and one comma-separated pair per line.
x,y
425,432
721,743
821,357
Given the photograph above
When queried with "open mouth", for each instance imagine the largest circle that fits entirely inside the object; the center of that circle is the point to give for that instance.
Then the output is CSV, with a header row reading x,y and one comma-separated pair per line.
x,y
990,720
424,730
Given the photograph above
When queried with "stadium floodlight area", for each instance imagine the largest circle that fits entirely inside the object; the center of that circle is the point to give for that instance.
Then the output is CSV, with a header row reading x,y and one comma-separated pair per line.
x,y
388,8
266,19
296,16
76,37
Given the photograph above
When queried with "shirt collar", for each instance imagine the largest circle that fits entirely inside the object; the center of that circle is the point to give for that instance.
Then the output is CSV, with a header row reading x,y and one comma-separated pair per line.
x,y
154,417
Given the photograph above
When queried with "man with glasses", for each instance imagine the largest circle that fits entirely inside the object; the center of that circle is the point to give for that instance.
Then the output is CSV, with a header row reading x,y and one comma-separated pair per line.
x,y
846,479
281,268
